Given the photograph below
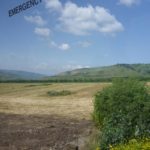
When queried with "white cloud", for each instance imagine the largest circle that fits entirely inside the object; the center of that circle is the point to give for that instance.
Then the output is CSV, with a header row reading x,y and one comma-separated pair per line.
x,y
42,31
53,5
64,46
83,20
38,20
129,2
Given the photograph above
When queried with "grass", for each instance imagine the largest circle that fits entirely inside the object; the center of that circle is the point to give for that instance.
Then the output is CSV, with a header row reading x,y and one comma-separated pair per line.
x,y
15,98
28,111
93,142
59,93
22,98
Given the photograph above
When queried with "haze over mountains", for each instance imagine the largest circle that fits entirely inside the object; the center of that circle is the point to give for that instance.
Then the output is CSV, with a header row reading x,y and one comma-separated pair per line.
x,y
19,75
119,70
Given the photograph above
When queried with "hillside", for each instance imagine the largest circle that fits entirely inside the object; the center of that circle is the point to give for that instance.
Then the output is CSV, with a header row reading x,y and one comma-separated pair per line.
x,y
119,70
84,74
19,75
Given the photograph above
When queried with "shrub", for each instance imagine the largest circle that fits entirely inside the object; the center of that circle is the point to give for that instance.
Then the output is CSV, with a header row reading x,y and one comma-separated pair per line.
x,y
59,93
122,111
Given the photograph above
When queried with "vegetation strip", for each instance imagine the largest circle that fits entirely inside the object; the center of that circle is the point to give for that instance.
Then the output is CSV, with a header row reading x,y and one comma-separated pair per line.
x,y
121,112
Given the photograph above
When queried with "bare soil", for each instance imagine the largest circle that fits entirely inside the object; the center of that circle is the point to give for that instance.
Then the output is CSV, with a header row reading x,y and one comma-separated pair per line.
x,y
21,132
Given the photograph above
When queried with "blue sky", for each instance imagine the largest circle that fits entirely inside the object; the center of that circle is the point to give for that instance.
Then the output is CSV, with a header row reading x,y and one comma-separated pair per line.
x,y
60,35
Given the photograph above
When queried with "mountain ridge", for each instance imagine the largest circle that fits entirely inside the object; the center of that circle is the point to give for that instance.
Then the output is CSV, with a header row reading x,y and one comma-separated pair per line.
x,y
19,75
83,74
118,70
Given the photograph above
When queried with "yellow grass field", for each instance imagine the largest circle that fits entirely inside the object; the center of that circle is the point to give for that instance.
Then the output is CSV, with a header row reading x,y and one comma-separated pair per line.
x,y
31,119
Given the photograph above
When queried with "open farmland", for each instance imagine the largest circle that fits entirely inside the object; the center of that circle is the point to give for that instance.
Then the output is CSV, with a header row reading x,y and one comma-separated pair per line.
x,y
32,119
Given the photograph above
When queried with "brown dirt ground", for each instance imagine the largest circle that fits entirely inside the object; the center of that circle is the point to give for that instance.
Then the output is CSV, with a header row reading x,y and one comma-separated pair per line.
x,y
21,132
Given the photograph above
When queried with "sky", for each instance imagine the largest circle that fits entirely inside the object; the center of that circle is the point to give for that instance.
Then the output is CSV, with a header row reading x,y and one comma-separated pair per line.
x,y
60,35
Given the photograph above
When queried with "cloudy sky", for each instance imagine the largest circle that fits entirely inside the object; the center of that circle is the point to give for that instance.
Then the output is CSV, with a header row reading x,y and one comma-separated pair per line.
x,y
60,35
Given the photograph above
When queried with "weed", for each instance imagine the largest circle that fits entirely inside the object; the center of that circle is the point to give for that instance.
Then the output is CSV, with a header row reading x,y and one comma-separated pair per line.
x,y
59,93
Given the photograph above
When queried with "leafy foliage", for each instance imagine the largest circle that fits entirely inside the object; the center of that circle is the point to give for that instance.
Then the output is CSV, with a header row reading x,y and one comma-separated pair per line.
x,y
122,111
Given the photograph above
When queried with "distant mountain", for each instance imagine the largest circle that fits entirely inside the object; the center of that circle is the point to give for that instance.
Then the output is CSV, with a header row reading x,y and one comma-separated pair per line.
x,y
19,75
107,72
89,74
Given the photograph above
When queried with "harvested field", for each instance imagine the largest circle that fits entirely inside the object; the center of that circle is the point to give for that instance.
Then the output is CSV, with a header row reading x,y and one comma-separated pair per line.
x,y
31,119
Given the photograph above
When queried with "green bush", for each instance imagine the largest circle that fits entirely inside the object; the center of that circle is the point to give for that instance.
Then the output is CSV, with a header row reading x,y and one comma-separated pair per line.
x,y
59,93
122,111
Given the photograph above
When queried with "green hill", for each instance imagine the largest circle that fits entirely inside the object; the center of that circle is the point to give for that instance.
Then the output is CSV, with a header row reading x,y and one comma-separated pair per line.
x,y
108,72
19,75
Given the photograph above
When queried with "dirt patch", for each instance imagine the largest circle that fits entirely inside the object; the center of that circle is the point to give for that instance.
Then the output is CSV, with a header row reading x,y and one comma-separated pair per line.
x,y
41,132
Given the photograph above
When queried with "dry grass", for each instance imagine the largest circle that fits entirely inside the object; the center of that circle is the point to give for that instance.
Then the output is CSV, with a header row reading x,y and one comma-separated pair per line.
x,y
30,119
32,99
